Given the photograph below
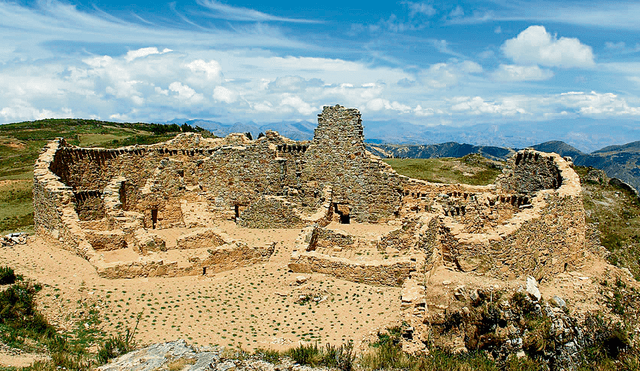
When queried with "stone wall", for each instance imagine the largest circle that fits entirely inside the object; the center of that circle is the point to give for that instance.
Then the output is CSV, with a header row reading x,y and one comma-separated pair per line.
x,y
530,222
530,171
363,187
391,272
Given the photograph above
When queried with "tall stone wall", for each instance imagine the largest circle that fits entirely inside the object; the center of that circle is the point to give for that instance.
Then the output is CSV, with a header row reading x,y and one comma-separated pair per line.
x,y
363,187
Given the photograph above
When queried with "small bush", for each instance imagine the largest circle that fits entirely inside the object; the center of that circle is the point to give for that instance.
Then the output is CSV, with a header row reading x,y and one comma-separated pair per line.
x,y
7,276
115,346
268,355
341,357
305,354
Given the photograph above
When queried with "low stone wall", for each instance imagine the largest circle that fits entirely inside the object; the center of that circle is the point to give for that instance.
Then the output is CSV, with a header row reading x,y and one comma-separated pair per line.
x,y
208,261
55,217
326,238
391,272
107,240
202,238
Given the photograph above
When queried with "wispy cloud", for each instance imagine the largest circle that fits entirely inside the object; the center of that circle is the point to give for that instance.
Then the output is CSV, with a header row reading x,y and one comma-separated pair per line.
x,y
233,13
609,14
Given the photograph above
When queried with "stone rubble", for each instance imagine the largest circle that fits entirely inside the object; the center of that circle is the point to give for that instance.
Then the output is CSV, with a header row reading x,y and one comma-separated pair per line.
x,y
178,355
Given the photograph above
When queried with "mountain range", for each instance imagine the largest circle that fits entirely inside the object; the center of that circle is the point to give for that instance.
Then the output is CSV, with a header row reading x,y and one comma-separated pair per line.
x,y
587,135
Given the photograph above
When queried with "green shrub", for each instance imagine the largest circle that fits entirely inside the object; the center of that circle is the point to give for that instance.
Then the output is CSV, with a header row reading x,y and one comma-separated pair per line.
x,y
305,354
7,276
117,345
268,355
341,357
114,346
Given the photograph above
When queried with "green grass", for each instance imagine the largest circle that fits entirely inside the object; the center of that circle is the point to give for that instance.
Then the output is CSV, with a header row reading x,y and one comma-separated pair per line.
x,y
471,169
16,207
615,212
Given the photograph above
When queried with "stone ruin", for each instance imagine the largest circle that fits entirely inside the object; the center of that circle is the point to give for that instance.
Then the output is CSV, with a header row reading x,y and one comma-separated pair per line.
x,y
100,202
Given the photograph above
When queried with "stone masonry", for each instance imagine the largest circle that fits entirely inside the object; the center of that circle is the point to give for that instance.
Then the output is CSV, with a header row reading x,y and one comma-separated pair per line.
x,y
97,202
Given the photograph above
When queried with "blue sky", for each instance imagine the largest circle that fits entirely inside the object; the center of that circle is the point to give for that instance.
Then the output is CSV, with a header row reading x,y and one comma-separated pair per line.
x,y
428,63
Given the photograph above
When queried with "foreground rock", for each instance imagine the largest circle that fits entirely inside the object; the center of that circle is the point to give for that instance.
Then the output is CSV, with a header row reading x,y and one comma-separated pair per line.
x,y
178,355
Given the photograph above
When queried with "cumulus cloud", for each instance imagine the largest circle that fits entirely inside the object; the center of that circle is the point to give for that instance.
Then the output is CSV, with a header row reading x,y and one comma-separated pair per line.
x,y
598,104
210,69
510,72
443,75
379,104
143,52
296,103
222,94
422,112
536,46
479,106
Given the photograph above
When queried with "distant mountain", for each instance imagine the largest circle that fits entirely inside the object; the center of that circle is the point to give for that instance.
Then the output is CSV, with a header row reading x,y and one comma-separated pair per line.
x,y
620,161
296,130
585,134
449,149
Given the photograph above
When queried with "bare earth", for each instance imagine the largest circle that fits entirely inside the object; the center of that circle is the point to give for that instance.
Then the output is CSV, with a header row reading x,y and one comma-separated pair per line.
x,y
253,307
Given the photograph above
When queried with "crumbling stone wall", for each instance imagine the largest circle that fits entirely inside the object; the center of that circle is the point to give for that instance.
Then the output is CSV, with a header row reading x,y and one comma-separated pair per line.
x,y
530,222
530,171
391,272
364,188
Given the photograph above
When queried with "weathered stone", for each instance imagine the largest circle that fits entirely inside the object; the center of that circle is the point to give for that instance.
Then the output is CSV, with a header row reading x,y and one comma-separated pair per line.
x,y
558,301
532,289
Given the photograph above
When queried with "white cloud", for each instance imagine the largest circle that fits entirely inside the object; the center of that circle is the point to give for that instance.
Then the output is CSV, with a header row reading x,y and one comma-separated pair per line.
x,y
295,102
621,47
211,69
222,94
379,104
478,106
457,12
598,104
616,46
420,8
140,53
185,92
536,46
422,112
510,72
244,14
443,75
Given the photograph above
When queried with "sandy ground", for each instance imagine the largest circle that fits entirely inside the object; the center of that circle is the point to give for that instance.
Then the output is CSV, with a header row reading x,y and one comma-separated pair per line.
x,y
252,307
257,306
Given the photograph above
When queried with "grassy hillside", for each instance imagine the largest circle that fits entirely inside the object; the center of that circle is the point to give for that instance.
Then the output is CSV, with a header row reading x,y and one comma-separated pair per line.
x,y
471,169
615,212
21,143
